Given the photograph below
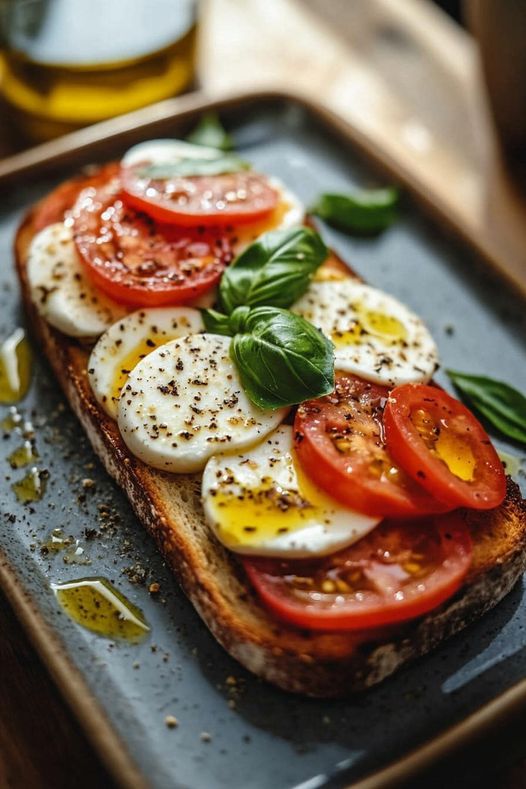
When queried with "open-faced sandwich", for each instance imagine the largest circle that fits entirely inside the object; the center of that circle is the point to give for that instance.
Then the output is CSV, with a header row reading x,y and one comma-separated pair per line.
x,y
330,512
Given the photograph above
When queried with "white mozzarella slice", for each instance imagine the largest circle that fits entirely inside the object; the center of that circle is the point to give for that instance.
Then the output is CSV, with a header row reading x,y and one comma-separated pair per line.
x,y
260,502
375,336
184,402
130,340
166,151
60,289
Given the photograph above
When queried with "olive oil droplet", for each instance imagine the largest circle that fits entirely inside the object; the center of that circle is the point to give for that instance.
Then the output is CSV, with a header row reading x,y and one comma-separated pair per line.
x,y
382,325
12,421
75,554
23,456
370,322
512,463
73,551
31,487
15,367
95,604
453,450
55,542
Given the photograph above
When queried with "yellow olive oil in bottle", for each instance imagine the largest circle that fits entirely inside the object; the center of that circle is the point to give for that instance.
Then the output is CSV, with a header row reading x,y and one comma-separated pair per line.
x,y
70,63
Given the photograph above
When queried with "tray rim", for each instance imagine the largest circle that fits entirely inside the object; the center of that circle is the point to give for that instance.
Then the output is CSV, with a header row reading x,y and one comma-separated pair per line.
x,y
69,679
70,682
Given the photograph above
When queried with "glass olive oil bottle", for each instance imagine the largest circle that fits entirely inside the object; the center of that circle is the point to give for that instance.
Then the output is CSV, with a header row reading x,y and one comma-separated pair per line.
x,y
69,63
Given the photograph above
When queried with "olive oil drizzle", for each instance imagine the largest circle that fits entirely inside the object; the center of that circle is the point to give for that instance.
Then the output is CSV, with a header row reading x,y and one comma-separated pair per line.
x,y
370,323
248,515
96,605
454,451
15,367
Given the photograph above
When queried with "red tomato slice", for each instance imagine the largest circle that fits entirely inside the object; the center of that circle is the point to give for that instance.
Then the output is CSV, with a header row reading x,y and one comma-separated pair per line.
x,y
340,444
397,572
140,262
200,199
438,441
54,206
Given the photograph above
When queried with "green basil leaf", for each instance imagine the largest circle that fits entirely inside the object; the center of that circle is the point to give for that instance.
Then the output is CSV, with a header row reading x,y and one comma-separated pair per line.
x,y
237,319
364,212
275,270
209,131
281,358
502,405
215,322
228,163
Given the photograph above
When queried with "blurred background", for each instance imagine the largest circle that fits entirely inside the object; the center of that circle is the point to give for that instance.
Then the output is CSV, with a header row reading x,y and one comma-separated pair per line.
x,y
70,63
65,64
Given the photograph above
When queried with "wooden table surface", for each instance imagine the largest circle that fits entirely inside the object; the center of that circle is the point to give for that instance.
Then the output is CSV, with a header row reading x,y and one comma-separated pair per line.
x,y
410,103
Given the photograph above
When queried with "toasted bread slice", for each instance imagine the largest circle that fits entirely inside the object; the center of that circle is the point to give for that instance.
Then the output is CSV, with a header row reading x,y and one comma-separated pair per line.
x,y
169,507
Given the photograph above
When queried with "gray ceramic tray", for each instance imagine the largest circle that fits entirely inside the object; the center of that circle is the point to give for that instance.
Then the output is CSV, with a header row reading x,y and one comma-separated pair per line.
x,y
259,736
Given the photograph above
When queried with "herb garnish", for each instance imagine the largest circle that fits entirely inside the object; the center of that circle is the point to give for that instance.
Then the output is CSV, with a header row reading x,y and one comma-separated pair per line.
x,y
502,405
275,270
282,359
368,211
210,132
186,167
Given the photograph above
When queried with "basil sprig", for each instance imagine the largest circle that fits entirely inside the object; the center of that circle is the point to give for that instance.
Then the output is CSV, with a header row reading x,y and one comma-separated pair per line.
x,y
502,405
275,270
216,322
224,163
367,211
210,132
281,358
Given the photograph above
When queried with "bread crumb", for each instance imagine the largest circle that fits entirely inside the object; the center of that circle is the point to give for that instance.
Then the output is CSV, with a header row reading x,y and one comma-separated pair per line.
x,y
154,588
171,722
205,736
88,483
231,680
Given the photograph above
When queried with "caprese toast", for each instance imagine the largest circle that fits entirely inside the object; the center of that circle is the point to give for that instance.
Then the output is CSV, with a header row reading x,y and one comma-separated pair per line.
x,y
329,511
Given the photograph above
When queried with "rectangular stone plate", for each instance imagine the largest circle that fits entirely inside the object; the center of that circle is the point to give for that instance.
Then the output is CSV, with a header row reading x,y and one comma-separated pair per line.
x,y
260,737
